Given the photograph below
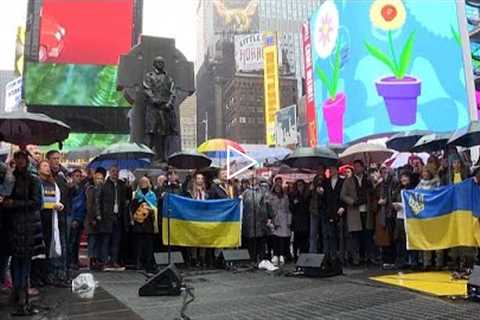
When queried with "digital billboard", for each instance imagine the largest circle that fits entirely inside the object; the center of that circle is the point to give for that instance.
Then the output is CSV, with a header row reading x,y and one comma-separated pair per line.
x,y
385,66
286,126
271,85
101,140
79,44
235,16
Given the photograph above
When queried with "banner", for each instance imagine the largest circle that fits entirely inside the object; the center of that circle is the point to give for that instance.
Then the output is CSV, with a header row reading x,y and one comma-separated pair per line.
x,y
271,85
248,52
13,94
310,97
286,126
200,223
443,218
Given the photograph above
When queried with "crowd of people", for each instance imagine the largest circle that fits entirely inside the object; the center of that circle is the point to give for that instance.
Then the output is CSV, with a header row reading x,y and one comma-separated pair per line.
x,y
353,215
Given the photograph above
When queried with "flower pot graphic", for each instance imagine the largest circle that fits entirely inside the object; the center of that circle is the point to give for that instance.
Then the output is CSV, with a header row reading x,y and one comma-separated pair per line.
x,y
333,111
400,97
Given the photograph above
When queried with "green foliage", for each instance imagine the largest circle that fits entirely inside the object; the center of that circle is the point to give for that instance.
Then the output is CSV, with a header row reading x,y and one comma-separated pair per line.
x,y
332,85
398,69
68,84
106,93
76,140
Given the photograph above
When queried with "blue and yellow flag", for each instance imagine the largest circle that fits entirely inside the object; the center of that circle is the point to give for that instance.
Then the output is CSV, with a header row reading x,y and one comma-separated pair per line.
x,y
202,223
443,218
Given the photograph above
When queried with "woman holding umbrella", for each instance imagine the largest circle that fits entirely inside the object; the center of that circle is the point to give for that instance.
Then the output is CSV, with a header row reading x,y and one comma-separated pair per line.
x,y
23,208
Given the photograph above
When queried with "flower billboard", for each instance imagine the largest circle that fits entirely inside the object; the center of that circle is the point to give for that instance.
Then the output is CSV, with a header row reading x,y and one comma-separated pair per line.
x,y
386,66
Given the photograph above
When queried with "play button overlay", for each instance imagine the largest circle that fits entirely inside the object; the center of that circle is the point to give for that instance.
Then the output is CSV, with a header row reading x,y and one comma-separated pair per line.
x,y
238,162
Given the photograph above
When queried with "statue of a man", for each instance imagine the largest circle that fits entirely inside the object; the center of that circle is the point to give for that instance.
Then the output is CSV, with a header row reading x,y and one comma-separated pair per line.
x,y
160,118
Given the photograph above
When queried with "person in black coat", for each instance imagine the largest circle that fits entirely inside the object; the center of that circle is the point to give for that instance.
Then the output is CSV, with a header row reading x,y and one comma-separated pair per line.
x,y
112,218
23,210
220,188
299,206
334,209
144,215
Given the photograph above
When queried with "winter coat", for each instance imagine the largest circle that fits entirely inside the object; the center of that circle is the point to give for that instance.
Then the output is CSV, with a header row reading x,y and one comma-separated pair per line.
x,y
332,199
105,206
78,204
300,208
354,195
280,215
218,191
91,198
25,232
255,213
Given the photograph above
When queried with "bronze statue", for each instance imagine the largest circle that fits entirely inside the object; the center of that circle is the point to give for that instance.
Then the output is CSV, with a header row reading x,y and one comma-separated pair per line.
x,y
160,118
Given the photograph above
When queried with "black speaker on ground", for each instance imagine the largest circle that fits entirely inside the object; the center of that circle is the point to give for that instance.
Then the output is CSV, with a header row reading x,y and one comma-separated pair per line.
x,y
161,258
230,257
168,282
317,265
473,285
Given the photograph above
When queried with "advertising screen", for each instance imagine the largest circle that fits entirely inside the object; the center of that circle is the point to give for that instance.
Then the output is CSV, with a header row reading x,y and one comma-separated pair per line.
x,y
385,66
235,16
101,140
80,42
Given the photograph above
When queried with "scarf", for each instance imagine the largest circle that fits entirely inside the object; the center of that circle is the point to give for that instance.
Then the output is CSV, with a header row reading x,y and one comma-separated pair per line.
x,y
151,199
51,198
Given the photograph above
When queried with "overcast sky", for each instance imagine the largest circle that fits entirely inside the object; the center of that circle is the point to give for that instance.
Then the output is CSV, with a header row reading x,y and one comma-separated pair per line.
x,y
163,18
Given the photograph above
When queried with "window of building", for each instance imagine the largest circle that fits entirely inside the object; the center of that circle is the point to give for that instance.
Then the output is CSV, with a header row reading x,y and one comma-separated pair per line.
x,y
242,120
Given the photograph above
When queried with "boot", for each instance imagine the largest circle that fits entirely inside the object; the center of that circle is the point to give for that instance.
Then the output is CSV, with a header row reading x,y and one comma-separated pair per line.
x,y
21,303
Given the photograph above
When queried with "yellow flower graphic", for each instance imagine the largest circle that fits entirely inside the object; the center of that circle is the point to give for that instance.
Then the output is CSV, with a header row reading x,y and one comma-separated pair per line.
x,y
387,14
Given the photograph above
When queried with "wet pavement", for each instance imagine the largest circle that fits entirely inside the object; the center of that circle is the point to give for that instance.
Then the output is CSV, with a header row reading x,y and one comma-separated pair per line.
x,y
254,295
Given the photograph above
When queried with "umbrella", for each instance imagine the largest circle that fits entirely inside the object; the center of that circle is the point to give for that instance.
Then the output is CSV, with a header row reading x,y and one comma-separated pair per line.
x,y
367,152
401,159
22,128
404,141
217,148
125,164
468,136
125,151
84,152
431,142
311,158
337,148
189,160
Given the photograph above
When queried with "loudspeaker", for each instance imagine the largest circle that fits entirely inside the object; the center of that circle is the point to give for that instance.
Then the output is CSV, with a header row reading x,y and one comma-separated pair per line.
x,y
318,265
227,258
161,258
473,286
168,282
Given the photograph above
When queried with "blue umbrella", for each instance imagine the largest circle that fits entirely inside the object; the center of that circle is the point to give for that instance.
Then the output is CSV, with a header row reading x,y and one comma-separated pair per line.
x,y
128,164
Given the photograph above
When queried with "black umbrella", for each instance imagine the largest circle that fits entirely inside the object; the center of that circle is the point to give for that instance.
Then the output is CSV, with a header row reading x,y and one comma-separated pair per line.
x,y
22,128
404,141
467,137
189,160
431,142
311,158
84,152
125,151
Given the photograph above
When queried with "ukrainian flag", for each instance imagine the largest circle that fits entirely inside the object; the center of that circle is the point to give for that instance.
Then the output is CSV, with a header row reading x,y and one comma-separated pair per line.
x,y
443,218
202,223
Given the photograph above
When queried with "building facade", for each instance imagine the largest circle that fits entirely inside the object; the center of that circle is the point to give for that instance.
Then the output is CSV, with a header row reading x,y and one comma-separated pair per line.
x,y
5,77
245,108
188,123
216,76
